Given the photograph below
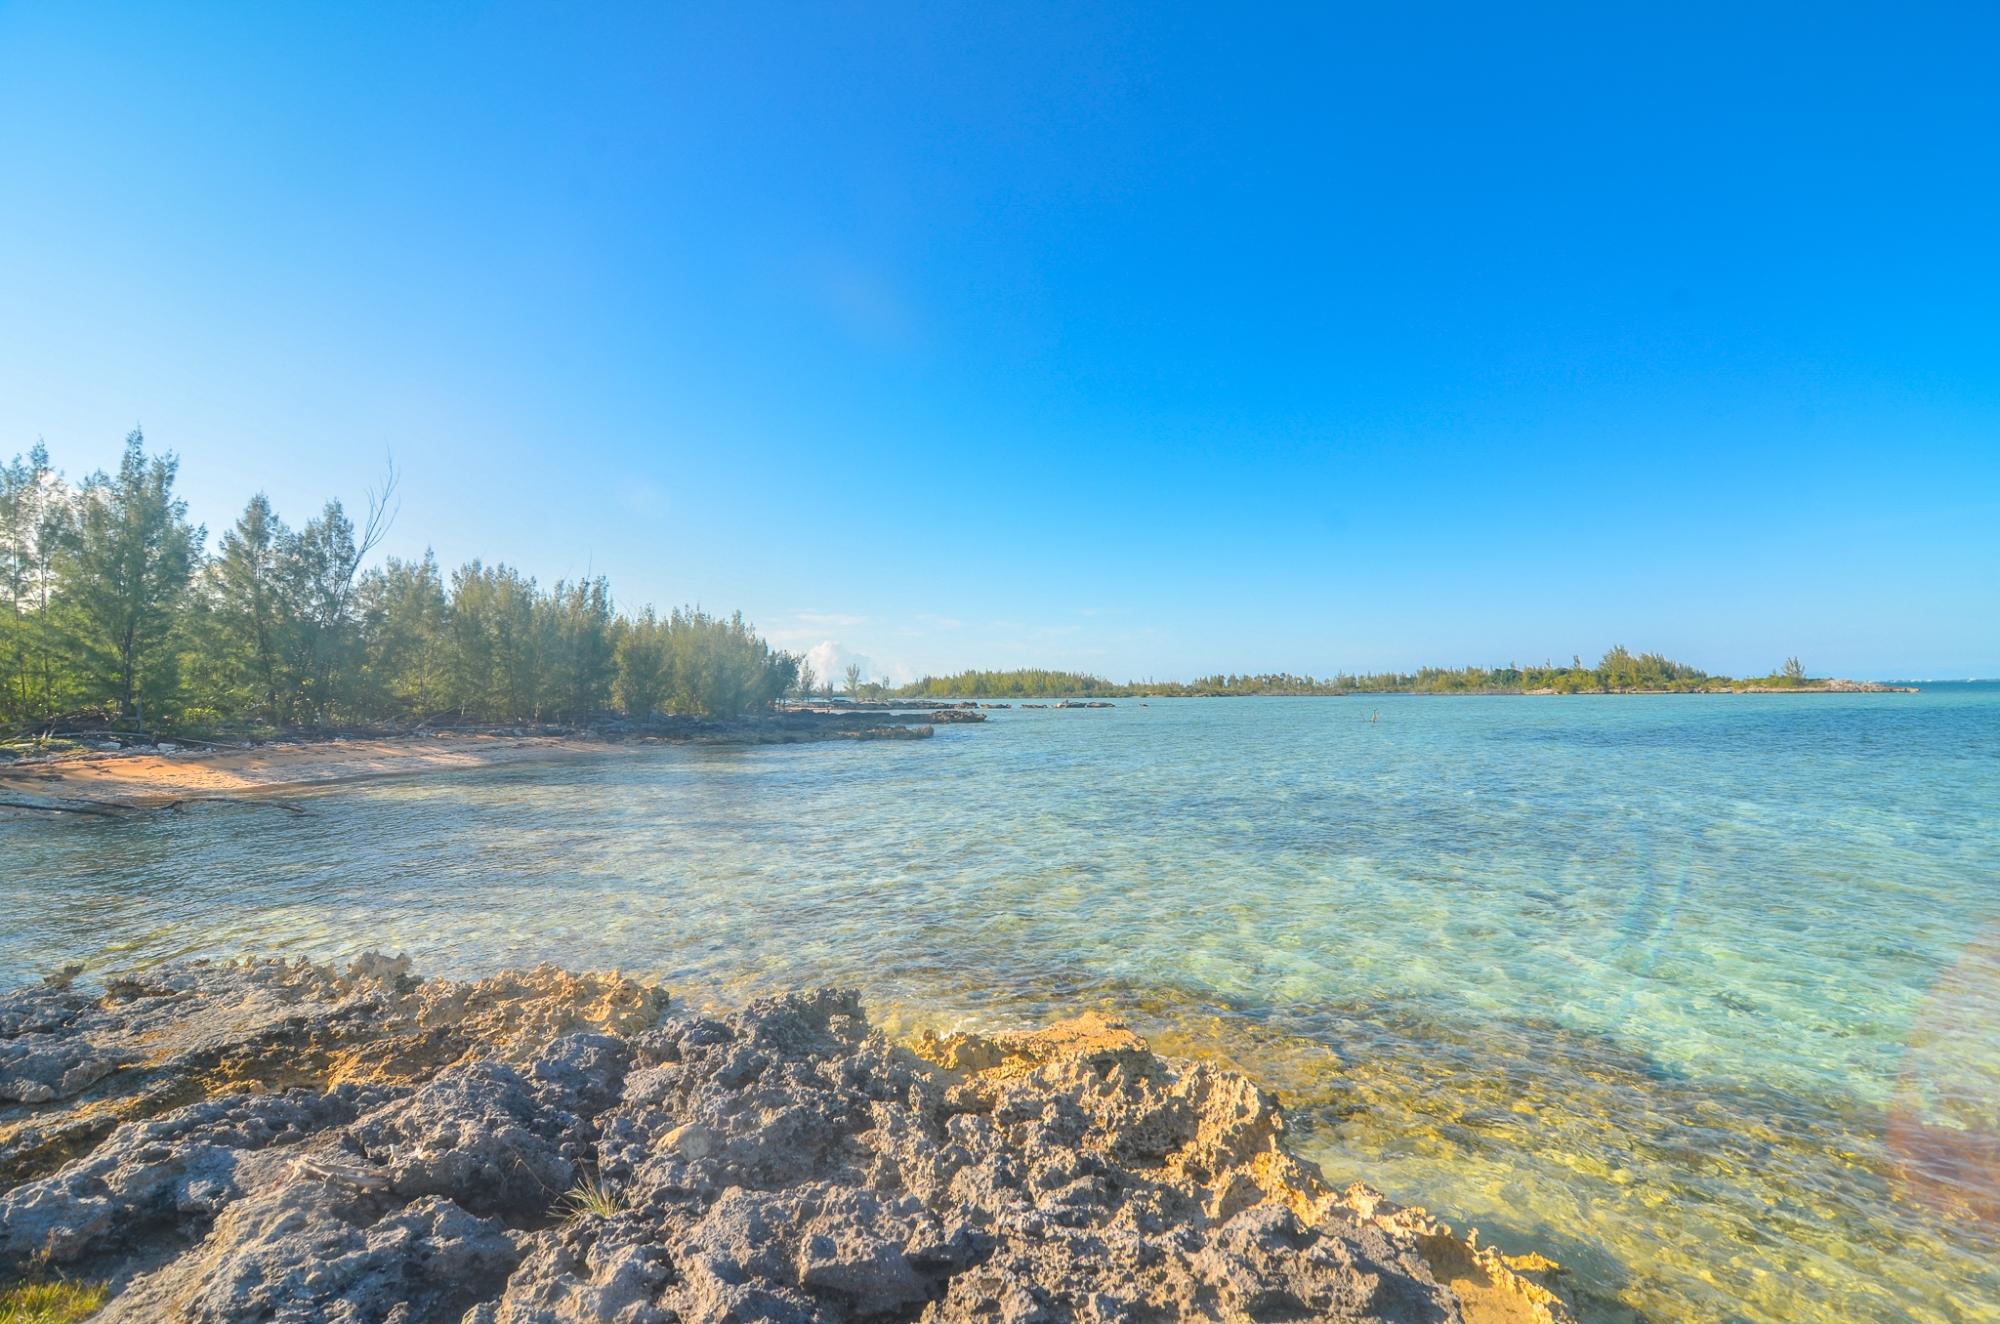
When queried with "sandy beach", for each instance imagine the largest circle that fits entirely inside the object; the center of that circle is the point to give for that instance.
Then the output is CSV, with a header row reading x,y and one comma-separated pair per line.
x,y
139,778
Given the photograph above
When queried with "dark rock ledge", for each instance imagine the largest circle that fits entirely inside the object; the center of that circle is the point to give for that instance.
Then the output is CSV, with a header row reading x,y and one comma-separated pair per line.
x,y
281,1142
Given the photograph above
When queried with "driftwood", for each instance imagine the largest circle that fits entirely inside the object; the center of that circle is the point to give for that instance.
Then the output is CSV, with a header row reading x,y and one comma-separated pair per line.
x,y
42,734
95,811
206,744
106,810
253,802
141,739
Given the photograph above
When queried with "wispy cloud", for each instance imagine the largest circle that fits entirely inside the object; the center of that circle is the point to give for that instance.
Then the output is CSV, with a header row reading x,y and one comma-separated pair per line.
x,y
861,301
810,626
828,620
642,496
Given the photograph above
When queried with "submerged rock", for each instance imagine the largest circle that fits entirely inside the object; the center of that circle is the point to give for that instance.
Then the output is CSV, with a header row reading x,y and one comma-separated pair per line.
x,y
281,1142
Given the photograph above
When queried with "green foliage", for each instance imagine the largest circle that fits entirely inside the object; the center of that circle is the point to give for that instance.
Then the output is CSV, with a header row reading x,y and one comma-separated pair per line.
x,y
107,601
51,1301
643,660
245,656
721,667
122,568
34,509
1619,671
581,647
320,565
1028,683
406,629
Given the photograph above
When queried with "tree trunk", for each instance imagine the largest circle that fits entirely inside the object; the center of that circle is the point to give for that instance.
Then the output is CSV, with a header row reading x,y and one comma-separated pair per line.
x,y
128,668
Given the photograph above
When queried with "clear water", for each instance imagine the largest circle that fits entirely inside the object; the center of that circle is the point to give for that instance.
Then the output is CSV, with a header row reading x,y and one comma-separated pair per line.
x,y
1698,994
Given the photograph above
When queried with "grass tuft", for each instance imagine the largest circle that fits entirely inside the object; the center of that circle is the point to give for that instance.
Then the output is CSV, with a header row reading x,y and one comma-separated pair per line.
x,y
51,1302
591,1197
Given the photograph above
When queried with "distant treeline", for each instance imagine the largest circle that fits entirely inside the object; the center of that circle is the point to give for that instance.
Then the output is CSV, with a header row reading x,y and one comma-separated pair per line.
x,y
1617,671
109,600
1028,683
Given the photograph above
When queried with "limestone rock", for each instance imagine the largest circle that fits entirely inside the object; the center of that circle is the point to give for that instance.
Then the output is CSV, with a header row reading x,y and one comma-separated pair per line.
x,y
281,1142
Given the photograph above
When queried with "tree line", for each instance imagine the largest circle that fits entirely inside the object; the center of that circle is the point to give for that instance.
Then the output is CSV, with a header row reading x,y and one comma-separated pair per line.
x,y
1025,683
1618,671
113,603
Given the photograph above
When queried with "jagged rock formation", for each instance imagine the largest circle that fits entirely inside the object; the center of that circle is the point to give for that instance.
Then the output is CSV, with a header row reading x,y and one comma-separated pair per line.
x,y
278,1142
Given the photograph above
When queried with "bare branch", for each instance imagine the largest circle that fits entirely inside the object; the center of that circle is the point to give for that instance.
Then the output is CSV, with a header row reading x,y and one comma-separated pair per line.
x,y
383,507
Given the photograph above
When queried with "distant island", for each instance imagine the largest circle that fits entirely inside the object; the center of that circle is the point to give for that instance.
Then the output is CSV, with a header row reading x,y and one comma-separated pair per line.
x,y
1619,671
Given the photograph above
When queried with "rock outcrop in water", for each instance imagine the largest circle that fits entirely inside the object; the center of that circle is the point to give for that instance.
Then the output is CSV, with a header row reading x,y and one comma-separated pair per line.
x,y
279,1142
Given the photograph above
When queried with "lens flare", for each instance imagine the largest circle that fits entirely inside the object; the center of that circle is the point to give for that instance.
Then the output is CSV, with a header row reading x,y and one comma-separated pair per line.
x,y
1944,1128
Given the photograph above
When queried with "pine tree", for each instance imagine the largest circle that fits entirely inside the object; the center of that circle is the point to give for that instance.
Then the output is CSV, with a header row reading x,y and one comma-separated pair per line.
x,y
580,647
252,617
123,571
406,626
642,681
34,512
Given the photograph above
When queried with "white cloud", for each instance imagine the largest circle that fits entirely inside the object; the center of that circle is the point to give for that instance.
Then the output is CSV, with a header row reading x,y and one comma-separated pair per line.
x,y
830,660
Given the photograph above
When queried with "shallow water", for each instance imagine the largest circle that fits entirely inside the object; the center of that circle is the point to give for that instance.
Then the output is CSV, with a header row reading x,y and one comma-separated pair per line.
x,y
1699,994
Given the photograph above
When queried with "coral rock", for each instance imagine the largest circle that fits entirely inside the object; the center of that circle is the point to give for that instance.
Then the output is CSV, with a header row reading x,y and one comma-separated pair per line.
x,y
282,1142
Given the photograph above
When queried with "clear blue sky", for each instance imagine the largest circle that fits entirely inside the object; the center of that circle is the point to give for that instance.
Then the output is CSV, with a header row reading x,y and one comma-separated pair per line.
x,y
1141,340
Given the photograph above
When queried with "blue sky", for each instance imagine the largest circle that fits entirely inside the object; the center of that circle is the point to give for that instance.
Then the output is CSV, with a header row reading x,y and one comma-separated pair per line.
x,y
1149,341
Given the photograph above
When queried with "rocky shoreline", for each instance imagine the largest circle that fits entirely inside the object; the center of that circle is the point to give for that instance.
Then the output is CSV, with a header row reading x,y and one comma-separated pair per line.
x,y
267,1141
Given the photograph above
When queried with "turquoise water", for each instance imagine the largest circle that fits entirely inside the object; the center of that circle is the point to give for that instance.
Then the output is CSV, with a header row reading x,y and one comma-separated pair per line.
x,y
1698,994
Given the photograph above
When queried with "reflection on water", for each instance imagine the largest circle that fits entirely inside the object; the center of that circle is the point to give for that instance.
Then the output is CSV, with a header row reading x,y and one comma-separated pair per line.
x,y
1690,992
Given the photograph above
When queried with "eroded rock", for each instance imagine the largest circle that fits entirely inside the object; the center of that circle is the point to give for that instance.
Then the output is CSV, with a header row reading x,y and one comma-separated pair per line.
x,y
281,1142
